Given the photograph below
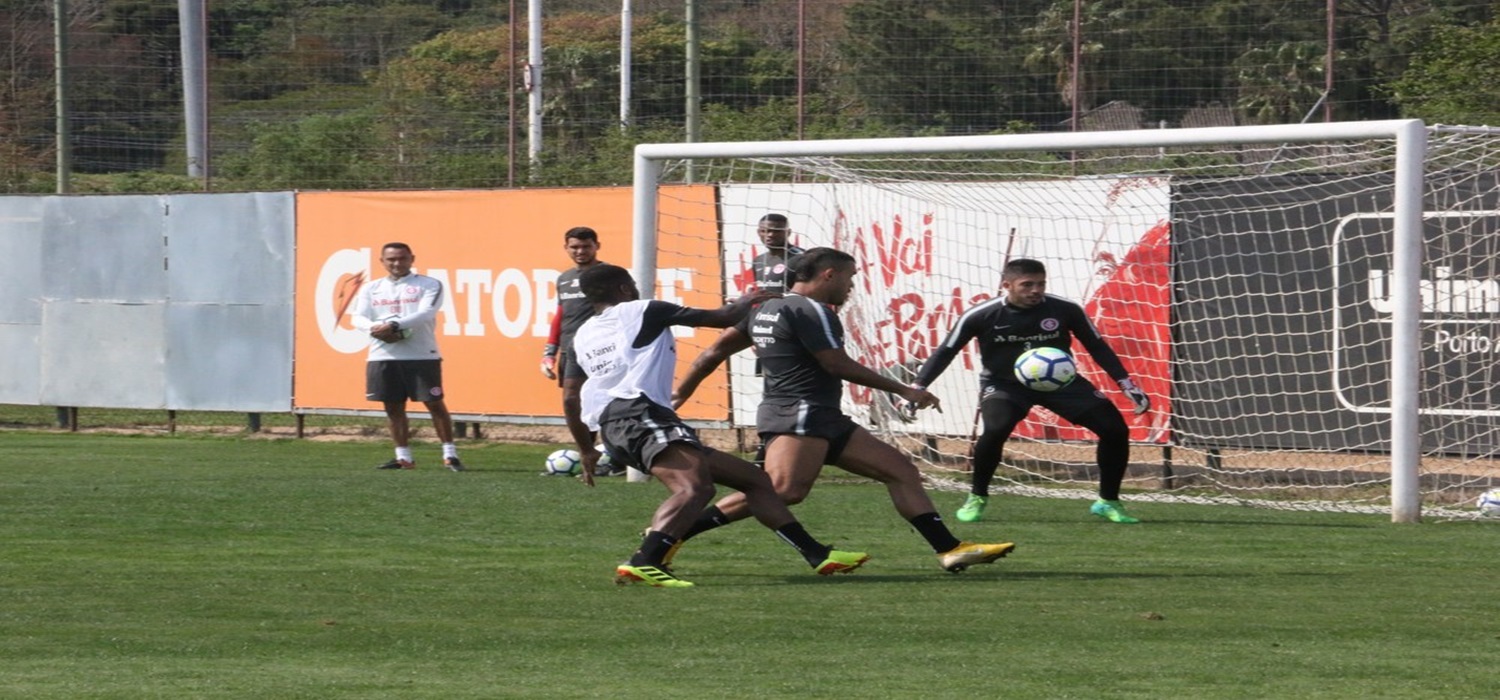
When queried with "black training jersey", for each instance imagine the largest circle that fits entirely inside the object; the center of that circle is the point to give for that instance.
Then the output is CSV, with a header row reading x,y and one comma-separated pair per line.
x,y
786,332
770,268
575,309
1005,331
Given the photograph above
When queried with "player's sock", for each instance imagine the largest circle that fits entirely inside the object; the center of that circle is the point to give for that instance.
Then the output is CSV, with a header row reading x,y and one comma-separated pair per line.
x,y
710,518
931,527
449,450
404,454
654,547
797,536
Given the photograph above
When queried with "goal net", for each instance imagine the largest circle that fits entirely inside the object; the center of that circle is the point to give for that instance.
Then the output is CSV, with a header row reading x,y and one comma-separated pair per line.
x,y
1313,310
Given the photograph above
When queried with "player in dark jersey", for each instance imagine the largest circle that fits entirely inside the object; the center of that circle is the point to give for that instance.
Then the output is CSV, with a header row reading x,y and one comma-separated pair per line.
x,y
800,343
1027,317
770,273
558,360
629,353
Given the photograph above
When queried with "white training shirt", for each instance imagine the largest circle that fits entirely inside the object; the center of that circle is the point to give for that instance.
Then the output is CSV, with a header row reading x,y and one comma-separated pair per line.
x,y
627,353
411,301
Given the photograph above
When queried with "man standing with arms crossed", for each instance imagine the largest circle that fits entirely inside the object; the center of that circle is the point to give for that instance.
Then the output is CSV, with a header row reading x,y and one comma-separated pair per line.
x,y
629,353
1024,318
399,312
558,359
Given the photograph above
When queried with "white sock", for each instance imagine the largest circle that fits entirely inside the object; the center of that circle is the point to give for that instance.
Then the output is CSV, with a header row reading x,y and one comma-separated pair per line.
x,y
404,454
449,450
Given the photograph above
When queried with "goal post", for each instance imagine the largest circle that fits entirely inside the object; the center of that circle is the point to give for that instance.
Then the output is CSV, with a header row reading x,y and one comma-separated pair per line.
x,y
969,187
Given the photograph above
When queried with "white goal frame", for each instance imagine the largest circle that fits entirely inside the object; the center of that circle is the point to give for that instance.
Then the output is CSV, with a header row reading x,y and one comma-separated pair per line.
x,y
1409,135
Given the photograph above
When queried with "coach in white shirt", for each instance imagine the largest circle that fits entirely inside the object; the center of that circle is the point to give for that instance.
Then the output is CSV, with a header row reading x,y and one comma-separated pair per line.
x,y
400,313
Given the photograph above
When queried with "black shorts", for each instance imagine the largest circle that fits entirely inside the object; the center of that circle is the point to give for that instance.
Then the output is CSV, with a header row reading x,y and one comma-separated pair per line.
x,y
568,367
393,380
807,420
637,430
1071,402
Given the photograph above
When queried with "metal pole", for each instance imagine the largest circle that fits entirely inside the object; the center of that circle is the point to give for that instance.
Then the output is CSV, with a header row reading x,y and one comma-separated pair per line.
x,y
1077,86
510,82
1328,63
60,86
534,83
801,65
193,23
691,119
1406,324
625,46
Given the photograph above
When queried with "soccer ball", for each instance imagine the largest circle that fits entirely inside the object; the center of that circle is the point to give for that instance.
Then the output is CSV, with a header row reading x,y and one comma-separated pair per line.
x,y
564,463
1489,503
1045,369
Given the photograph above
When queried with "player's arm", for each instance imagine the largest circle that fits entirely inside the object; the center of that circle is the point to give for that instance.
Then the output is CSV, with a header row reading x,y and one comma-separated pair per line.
x,y
1108,360
554,339
359,315
944,354
731,341
838,363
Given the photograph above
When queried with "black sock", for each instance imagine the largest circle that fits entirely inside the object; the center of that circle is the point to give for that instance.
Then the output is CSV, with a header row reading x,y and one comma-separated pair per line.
x,y
931,526
654,546
710,518
810,549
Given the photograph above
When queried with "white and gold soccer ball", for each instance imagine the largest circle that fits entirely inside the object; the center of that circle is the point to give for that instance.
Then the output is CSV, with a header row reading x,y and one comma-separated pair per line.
x,y
1045,369
1489,503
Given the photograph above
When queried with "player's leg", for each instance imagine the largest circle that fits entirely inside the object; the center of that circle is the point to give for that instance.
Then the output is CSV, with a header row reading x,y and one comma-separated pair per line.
x,y
1081,405
680,467
383,383
763,502
1113,455
866,455
999,416
427,381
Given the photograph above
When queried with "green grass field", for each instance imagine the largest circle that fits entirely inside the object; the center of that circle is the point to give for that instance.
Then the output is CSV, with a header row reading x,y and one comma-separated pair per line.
x,y
182,567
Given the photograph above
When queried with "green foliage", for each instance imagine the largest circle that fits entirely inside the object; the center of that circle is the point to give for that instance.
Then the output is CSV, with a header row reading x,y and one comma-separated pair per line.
x,y
234,568
1455,78
327,151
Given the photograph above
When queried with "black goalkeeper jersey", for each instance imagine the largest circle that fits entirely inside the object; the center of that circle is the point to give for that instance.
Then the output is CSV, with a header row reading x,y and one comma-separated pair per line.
x,y
1005,331
786,332
575,309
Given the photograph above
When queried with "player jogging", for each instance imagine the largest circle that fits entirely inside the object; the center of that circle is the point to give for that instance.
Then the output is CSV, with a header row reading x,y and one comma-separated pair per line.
x,y
800,343
628,353
1023,318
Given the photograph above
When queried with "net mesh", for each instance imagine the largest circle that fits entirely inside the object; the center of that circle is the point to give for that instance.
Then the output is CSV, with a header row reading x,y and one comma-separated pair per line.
x,y
1246,287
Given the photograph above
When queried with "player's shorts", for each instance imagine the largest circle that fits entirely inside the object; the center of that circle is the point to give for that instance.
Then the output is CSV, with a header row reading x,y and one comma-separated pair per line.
x,y
1071,402
806,420
393,380
638,430
568,367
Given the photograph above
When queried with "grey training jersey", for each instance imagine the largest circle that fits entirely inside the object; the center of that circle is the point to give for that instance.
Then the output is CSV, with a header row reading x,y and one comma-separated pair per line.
x,y
786,333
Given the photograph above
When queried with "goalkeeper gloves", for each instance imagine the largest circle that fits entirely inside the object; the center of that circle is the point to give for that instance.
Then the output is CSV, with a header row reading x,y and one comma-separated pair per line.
x,y
1137,397
549,361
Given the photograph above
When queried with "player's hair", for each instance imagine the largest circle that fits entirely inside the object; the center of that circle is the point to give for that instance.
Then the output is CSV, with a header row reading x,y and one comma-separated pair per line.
x,y
582,233
397,245
811,262
774,219
601,283
1022,266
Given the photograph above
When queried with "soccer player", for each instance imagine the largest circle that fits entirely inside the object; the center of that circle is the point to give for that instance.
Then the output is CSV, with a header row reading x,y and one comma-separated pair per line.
x,y
558,360
399,312
770,273
1023,318
628,352
800,342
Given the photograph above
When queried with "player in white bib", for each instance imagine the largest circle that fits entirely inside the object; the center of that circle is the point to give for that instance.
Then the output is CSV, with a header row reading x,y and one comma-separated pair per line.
x,y
628,352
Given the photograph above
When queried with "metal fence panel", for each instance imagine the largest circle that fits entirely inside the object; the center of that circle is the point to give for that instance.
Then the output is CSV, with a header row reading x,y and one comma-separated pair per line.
x,y
103,354
103,249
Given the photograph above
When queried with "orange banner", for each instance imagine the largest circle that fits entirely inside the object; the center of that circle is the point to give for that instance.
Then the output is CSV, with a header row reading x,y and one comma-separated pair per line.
x,y
498,253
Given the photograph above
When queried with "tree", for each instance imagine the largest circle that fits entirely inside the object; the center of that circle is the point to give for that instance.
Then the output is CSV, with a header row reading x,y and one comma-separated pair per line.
x,y
1454,78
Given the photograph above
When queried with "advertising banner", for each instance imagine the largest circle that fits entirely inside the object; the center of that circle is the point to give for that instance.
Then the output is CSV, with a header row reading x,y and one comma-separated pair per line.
x,y
498,254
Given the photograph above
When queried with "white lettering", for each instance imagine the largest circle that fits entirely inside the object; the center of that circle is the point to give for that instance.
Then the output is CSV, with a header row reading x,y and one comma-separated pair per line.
x,y
1443,294
472,284
508,280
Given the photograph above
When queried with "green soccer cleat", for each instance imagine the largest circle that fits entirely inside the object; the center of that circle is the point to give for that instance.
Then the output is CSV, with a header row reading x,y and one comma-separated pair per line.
x,y
972,509
841,562
626,574
1112,511
967,554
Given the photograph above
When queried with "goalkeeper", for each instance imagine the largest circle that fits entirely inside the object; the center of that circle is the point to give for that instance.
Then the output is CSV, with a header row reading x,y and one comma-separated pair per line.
x,y
1025,317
